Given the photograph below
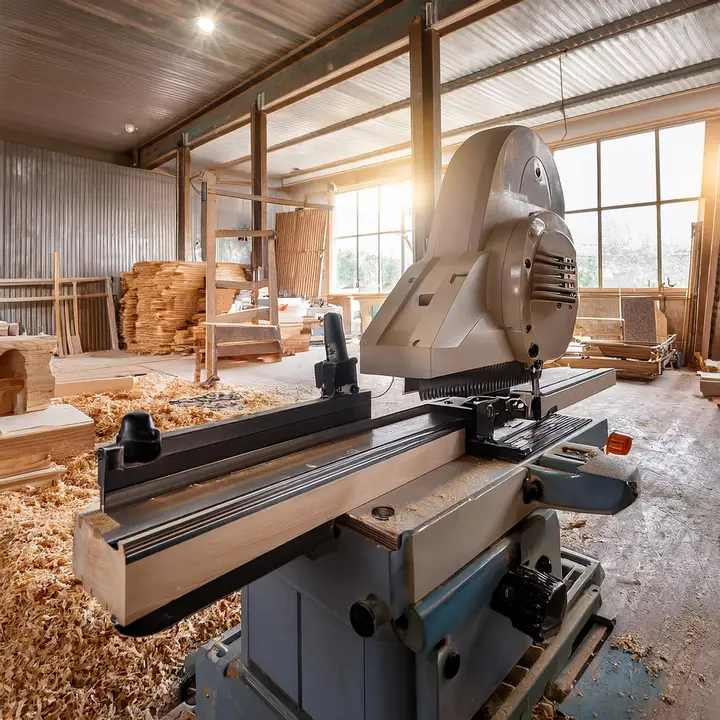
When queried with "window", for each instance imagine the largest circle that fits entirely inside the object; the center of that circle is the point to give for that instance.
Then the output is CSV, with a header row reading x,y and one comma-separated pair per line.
x,y
372,238
630,203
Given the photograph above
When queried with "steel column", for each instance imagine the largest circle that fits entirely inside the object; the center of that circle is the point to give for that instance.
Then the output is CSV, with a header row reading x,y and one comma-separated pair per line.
x,y
425,127
184,225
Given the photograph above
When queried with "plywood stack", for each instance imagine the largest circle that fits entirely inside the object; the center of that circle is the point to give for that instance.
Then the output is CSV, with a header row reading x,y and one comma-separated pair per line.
x,y
160,304
300,247
26,381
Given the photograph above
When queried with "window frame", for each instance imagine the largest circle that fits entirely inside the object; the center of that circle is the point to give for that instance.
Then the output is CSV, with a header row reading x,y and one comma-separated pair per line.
x,y
658,202
402,232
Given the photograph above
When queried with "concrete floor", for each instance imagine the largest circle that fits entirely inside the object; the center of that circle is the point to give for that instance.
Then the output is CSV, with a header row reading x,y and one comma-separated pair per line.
x,y
661,556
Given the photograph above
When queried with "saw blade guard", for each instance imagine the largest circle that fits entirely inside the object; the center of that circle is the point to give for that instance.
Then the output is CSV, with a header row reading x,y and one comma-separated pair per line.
x,y
498,282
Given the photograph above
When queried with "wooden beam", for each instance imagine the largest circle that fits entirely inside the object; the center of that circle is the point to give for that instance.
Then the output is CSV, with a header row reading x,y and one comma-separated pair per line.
x,y
242,316
235,232
425,128
270,200
112,321
131,590
184,201
709,246
56,300
244,332
241,284
208,205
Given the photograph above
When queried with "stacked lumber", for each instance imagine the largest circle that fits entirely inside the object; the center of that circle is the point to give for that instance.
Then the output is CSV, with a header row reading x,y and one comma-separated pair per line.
x,y
162,299
630,360
300,246
32,444
26,381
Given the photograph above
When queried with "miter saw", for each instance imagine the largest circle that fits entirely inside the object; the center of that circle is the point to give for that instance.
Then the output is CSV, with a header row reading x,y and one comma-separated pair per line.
x,y
444,592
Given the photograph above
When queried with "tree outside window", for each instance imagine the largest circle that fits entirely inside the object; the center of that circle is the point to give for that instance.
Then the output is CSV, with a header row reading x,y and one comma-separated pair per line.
x,y
630,205
372,243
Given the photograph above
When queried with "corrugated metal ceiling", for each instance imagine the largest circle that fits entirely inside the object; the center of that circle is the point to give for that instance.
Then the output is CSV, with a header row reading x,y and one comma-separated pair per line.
x,y
78,70
643,53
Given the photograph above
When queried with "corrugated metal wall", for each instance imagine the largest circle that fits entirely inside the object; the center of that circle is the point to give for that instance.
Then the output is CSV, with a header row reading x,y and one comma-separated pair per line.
x,y
101,218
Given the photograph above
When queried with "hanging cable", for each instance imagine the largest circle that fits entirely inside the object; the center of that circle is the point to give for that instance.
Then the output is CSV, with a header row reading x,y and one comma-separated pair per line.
x,y
385,391
562,96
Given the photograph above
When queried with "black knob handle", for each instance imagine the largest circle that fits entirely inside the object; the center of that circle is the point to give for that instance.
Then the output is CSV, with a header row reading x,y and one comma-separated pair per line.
x,y
367,615
139,438
534,602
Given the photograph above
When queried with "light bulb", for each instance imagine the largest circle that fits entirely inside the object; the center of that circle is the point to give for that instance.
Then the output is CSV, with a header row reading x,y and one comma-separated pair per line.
x,y
206,24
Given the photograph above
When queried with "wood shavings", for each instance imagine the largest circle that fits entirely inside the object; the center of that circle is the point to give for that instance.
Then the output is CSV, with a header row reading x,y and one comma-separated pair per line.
x,y
544,710
629,644
574,524
59,653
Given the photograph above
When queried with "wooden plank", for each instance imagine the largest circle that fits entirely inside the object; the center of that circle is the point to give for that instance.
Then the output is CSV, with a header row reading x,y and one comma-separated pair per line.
x,y
47,281
56,300
48,298
272,283
112,320
61,431
248,347
244,315
75,338
271,200
68,330
208,226
133,590
240,233
99,385
185,194
258,169
26,464
36,478
241,332
241,284
599,327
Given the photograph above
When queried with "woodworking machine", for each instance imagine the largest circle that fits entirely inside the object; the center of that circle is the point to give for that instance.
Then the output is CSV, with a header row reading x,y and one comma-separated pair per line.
x,y
444,593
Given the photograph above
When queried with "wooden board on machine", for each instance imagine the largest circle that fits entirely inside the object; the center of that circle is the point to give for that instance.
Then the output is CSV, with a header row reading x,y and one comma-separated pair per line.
x,y
131,590
26,381
60,431
163,301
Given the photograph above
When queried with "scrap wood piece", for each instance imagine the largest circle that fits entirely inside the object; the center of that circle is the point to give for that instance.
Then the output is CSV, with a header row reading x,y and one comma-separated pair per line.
x,y
25,464
36,478
26,358
599,328
60,431
99,385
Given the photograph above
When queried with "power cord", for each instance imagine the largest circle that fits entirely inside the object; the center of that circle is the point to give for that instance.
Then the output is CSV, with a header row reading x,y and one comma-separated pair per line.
x,y
384,392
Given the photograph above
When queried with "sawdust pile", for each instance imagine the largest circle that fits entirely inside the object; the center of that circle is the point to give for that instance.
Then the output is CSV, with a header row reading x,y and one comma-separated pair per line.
x,y
59,655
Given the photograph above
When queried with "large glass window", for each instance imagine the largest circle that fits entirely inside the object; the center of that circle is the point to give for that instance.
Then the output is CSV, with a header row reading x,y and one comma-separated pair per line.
x,y
631,217
372,243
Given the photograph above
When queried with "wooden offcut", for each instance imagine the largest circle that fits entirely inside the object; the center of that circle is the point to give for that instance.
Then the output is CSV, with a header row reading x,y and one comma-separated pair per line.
x,y
132,590
59,431
94,386
599,328
300,248
25,367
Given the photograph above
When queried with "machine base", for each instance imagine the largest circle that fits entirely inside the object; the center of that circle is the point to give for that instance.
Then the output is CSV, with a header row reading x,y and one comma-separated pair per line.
x,y
237,692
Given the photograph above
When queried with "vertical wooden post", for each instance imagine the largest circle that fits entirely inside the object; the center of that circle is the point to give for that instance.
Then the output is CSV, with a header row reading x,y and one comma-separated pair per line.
x,y
425,127
208,213
258,166
184,200
56,301
112,319
710,241
272,283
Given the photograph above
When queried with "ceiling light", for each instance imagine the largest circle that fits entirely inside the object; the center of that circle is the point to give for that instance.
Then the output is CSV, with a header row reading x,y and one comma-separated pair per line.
x,y
130,128
206,24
